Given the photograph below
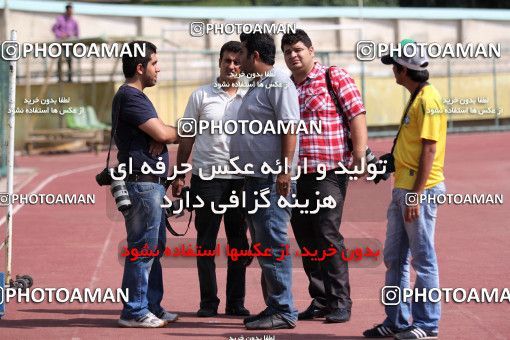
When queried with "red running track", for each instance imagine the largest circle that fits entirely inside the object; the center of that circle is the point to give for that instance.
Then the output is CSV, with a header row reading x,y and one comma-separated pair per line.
x,y
77,247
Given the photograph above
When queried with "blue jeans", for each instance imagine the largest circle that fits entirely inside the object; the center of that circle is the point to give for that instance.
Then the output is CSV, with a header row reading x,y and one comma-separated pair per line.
x,y
414,239
269,227
145,224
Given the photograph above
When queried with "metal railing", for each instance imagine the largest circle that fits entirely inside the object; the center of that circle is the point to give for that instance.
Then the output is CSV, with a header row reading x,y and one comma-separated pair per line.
x,y
191,67
4,98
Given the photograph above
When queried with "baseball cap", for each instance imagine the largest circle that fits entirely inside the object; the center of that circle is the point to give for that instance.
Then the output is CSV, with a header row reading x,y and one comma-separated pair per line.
x,y
412,56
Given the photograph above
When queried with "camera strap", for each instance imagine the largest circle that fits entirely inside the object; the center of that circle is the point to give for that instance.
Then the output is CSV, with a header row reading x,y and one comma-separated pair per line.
x,y
339,109
114,130
411,100
172,230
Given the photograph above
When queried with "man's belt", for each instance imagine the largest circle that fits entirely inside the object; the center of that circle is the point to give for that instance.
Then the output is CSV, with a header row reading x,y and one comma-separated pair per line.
x,y
145,178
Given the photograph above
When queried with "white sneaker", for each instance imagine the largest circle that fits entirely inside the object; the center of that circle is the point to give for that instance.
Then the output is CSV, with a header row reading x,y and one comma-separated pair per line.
x,y
149,320
167,316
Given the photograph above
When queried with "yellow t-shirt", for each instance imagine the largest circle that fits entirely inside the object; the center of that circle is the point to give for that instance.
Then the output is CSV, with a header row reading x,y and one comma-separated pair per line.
x,y
426,120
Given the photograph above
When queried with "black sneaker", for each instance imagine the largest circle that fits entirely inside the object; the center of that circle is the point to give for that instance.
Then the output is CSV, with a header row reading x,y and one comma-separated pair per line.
x,y
312,312
275,321
207,312
416,333
237,311
380,331
338,315
255,317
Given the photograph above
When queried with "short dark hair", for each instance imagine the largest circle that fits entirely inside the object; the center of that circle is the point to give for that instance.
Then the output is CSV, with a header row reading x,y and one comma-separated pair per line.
x,y
68,6
129,62
262,43
294,38
415,75
231,46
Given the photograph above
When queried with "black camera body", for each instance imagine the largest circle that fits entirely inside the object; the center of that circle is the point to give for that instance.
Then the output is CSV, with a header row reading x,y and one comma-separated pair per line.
x,y
386,160
390,162
104,178
117,187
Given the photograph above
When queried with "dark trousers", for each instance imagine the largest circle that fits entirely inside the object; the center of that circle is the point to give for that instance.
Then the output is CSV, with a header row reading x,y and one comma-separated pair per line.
x,y
328,279
69,68
207,224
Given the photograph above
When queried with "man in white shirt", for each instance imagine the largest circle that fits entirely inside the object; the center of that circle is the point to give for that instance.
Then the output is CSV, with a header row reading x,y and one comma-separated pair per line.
x,y
216,103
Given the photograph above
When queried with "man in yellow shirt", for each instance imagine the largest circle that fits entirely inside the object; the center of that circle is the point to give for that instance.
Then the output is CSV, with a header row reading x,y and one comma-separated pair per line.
x,y
418,153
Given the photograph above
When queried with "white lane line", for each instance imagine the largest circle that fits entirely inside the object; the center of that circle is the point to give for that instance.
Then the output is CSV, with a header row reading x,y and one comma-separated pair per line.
x,y
49,180
30,178
106,246
45,183
481,323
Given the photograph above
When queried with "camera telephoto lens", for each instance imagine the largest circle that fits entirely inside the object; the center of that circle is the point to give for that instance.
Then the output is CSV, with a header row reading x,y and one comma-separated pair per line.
x,y
121,195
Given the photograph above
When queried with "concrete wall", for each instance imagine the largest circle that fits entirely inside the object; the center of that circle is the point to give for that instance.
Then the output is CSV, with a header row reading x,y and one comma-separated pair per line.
x,y
36,26
183,72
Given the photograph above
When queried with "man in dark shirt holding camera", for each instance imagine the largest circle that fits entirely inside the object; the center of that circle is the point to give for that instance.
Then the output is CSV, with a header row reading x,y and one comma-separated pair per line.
x,y
141,137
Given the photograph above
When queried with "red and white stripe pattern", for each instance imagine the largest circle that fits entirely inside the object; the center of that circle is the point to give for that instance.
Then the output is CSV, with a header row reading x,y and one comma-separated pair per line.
x,y
316,104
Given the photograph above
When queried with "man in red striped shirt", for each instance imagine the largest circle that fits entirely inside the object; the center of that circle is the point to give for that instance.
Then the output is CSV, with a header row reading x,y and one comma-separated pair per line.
x,y
329,279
